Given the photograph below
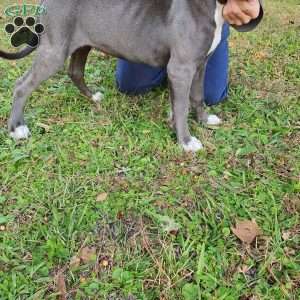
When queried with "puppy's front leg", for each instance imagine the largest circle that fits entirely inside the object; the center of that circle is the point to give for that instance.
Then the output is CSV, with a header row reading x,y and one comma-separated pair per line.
x,y
180,79
197,99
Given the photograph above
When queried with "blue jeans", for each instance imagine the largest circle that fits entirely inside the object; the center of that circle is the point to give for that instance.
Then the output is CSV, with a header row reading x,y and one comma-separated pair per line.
x,y
135,78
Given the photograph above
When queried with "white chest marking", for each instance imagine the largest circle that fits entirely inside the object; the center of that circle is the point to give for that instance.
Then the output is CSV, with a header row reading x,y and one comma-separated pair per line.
x,y
219,26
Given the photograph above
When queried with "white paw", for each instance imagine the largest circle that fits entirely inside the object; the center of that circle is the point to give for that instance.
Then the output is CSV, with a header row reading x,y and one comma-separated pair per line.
x,y
20,133
213,120
194,145
97,97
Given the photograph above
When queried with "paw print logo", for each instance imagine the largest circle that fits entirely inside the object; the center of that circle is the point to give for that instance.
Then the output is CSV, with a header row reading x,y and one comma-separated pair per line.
x,y
25,31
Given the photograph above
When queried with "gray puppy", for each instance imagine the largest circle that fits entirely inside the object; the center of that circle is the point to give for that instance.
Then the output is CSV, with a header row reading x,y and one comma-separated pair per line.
x,y
179,34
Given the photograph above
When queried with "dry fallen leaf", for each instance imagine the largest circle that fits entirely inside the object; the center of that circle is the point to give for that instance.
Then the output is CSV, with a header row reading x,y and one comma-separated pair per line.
x,y
286,235
74,262
61,286
246,231
102,197
243,269
46,127
289,251
103,54
82,279
104,263
104,122
260,55
27,257
87,254
120,215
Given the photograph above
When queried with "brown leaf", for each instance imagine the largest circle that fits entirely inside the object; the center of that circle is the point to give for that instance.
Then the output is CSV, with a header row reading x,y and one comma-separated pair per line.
x,y
292,203
289,251
102,197
104,263
104,122
145,241
103,54
46,127
88,254
286,235
120,215
61,286
74,262
246,231
291,233
27,257
260,55
243,269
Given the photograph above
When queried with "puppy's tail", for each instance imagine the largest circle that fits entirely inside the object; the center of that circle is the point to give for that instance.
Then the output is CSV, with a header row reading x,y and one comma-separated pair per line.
x,y
17,55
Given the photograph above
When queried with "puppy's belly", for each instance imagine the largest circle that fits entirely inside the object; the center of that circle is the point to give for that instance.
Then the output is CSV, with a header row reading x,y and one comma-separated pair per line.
x,y
156,55
219,26
152,57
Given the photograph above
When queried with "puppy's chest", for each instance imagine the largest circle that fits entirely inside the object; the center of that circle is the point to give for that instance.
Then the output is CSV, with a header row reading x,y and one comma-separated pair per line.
x,y
219,20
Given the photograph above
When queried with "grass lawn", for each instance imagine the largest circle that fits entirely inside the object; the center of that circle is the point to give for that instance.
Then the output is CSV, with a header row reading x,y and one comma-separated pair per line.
x,y
101,203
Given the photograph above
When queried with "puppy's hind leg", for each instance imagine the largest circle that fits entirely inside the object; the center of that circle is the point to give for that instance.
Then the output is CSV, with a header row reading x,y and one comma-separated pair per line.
x,y
76,72
48,61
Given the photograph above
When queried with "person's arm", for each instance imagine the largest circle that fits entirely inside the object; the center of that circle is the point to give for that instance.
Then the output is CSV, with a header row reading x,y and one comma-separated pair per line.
x,y
243,15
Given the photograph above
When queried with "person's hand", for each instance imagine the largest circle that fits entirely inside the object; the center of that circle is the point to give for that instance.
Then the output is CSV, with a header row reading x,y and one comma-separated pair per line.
x,y
240,12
